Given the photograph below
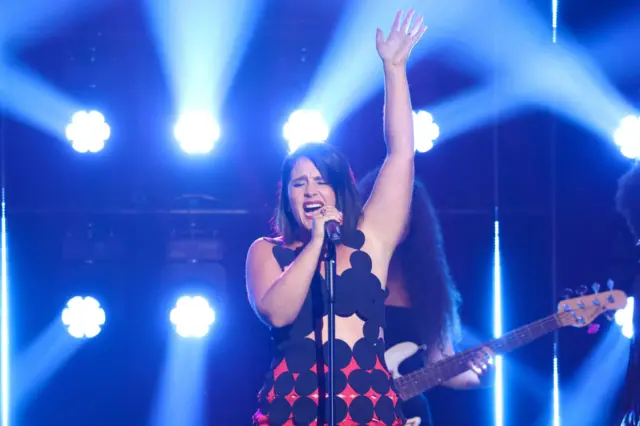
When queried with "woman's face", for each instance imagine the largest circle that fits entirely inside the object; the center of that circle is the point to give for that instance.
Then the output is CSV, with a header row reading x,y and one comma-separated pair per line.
x,y
308,191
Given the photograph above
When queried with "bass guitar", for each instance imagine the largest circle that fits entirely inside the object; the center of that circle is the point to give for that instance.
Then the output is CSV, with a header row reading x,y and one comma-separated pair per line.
x,y
576,312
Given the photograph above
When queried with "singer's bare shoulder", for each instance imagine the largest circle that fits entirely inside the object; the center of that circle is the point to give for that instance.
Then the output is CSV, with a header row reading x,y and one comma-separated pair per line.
x,y
261,250
275,241
262,247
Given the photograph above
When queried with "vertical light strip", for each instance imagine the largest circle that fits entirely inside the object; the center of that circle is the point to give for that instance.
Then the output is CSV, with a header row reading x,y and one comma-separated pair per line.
x,y
556,389
554,19
554,253
4,312
497,325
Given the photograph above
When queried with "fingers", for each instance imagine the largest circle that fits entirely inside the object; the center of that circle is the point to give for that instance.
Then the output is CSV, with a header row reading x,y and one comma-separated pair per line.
x,y
328,213
407,21
404,26
379,36
419,34
482,361
396,21
475,368
417,26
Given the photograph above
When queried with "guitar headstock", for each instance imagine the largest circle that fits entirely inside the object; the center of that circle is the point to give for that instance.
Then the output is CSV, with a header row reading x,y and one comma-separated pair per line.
x,y
583,310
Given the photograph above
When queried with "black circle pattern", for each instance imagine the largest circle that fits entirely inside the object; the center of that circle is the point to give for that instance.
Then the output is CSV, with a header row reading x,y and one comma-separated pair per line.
x,y
360,381
342,353
307,383
385,410
284,384
354,239
371,331
361,261
365,354
358,291
361,409
341,410
280,411
340,384
379,382
304,410
300,356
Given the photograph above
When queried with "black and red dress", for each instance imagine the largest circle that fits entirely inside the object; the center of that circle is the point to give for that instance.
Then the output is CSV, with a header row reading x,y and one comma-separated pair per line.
x,y
295,390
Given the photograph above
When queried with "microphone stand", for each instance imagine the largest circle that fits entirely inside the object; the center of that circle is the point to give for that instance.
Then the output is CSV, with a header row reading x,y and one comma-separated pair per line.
x,y
330,272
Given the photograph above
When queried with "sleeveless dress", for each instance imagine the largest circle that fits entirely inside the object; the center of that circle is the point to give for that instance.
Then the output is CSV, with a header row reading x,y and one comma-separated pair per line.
x,y
400,328
295,387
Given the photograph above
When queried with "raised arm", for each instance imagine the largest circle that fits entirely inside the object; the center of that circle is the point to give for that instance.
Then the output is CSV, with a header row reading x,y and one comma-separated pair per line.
x,y
386,211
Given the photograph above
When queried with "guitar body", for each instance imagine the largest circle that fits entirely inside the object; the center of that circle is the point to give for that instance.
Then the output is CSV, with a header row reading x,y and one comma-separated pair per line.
x,y
397,354
394,357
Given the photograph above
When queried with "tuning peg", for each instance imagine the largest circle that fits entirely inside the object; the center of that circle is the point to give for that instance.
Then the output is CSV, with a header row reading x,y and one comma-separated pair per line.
x,y
595,287
610,284
567,294
582,290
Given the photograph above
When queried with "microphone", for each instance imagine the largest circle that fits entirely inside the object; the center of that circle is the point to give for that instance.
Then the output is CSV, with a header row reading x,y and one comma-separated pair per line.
x,y
332,228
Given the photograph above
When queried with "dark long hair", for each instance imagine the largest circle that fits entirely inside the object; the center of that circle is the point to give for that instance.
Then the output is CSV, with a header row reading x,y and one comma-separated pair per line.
x,y
628,204
432,291
334,168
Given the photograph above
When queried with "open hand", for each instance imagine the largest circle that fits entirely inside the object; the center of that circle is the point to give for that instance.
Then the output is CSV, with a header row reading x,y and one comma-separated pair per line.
x,y
403,36
482,362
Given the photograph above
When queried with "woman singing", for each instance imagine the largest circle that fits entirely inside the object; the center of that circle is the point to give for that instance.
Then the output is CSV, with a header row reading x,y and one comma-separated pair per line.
x,y
285,280
422,306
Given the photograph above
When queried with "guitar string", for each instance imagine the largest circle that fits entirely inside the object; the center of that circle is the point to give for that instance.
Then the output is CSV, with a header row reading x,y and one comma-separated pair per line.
x,y
464,357
461,361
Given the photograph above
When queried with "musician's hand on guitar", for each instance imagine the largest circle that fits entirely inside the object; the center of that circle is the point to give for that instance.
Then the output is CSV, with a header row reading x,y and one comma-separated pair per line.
x,y
482,362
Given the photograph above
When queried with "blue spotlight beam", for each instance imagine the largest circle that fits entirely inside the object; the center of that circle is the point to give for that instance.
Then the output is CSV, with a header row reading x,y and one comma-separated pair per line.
x,y
460,114
33,101
33,368
181,391
4,312
201,44
588,400
338,90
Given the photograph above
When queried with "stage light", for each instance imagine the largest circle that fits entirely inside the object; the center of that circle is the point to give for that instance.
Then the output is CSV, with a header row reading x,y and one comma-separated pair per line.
x,y
425,131
4,315
305,126
624,318
83,317
627,137
88,131
192,316
196,132
498,390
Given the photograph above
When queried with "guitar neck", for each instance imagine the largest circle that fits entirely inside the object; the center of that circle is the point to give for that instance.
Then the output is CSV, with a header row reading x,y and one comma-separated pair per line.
x,y
435,374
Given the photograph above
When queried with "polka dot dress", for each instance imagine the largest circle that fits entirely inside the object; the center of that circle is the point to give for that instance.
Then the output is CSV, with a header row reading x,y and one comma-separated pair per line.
x,y
295,388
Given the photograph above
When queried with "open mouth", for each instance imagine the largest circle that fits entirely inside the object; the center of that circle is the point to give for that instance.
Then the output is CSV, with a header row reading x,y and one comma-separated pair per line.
x,y
310,207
